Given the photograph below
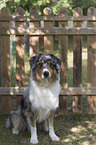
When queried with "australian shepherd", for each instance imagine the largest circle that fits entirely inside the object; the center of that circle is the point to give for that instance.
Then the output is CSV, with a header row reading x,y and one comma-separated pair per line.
x,y
40,99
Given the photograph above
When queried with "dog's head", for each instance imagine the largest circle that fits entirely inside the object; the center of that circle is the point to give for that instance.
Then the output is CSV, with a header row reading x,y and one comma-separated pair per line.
x,y
45,66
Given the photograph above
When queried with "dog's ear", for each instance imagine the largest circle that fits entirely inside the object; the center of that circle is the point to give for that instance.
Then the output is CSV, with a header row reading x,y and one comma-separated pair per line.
x,y
33,61
57,61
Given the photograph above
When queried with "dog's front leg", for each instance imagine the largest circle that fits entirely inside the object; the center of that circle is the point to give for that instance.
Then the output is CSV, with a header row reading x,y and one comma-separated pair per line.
x,y
52,134
32,124
33,139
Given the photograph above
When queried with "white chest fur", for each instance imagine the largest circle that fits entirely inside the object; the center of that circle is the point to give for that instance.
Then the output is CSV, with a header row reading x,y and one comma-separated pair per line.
x,y
44,98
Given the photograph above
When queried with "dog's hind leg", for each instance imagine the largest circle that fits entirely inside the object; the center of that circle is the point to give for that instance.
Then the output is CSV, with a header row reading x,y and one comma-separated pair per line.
x,y
46,125
15,121
18,123
32,124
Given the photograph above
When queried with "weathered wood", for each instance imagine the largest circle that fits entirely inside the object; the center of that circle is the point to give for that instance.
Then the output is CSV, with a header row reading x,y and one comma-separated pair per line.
x,y
77,63
63,50
18,91
5,63
46,18
47,31
12,91
0,76
91,62
19,54
34,40
0,61
48,40
78,91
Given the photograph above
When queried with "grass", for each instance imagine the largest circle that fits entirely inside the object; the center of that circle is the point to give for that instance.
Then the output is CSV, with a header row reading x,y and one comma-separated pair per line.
x,y
72,129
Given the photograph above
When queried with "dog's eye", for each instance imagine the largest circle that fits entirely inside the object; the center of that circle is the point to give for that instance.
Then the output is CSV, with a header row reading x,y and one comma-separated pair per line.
x,y
51,65
40,65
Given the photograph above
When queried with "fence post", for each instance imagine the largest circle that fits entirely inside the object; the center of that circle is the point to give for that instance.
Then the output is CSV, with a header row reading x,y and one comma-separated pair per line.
x,y
77,62
5,63
63,52
34,40
91,100
19,11
0,72
48,40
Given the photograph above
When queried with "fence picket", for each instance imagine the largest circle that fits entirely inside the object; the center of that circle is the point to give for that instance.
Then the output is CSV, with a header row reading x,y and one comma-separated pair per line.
x,y
19,11
34,40
47,30
5,63
63,51
91,100
48,40
0,74
77,62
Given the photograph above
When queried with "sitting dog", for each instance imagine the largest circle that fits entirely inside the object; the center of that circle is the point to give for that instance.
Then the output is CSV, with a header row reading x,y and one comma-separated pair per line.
x,y
40,99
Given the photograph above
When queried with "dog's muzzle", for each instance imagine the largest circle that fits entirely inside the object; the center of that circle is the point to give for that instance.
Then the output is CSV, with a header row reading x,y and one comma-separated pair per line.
x,y
46,74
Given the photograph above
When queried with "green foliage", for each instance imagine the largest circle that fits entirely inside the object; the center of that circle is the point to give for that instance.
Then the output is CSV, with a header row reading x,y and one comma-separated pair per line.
x,y
27,4
84,4
55,5
59,4
2,3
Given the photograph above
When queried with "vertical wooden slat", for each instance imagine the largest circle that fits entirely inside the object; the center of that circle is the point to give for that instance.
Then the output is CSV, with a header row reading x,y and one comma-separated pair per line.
x,y
63,52
48,40
34,40
0,58
0,72
5,63
19,54
77,62
91,62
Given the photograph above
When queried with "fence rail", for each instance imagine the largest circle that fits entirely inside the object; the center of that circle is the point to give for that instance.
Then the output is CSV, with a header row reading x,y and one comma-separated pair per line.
x,y
18,91
37,31
40,31
46,18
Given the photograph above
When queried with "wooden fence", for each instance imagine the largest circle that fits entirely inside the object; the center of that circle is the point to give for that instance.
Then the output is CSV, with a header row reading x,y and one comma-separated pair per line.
x,y
47,27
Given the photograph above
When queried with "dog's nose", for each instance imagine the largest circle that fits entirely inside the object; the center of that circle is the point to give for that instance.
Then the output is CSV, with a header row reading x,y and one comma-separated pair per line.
x,y
46,74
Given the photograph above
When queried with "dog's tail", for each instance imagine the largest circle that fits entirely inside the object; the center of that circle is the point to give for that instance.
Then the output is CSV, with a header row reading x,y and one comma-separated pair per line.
x,y
10,118
8,122
16,120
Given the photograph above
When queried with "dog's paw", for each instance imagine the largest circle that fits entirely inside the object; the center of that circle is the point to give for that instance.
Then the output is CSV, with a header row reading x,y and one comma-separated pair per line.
x,y
54,137
34,140
14,131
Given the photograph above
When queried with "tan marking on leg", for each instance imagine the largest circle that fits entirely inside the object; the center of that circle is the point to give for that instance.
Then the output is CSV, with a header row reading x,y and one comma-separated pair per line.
x,y
52,113
33,122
